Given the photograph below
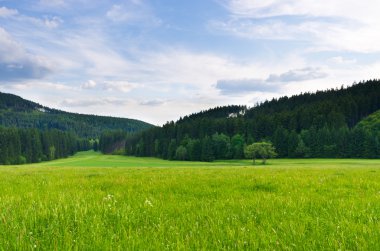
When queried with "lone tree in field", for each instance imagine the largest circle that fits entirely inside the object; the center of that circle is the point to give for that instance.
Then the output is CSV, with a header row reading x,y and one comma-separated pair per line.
x,y
265,150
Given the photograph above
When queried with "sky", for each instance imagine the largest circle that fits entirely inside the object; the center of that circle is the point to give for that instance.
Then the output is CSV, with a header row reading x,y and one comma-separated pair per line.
x,y
158,60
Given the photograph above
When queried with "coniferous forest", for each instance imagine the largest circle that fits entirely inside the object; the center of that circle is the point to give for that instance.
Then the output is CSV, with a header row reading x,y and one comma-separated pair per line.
x,y
30,132
325,124
336,123
20,146
21,113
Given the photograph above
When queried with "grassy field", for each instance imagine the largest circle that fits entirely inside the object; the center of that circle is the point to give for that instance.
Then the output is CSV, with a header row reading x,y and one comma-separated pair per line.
x,y
96,202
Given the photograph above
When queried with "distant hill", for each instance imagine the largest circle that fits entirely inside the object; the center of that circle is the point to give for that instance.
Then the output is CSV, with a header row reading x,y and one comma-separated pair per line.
x,y
18,112
335,107
320,124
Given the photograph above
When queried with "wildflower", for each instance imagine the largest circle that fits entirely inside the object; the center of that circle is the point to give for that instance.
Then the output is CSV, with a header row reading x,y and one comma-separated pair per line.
x,y
108,197
148,203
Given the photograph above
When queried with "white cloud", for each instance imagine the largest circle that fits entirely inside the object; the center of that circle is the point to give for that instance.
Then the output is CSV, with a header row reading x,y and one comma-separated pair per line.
x,y
5,12
198,70
93,102
120,86
366,9
275,83
337,25
80,103
153,102
49,22
118,14
90,51
342,61
269,29
40,85
90,84
298,75
114,86
244,86
53,22
16,63
52,3
133,11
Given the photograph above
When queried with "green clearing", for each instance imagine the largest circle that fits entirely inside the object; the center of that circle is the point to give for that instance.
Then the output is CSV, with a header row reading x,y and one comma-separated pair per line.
x,y
96,202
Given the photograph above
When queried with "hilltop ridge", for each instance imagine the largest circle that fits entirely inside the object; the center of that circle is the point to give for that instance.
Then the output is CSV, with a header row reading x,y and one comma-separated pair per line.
x,y
21,113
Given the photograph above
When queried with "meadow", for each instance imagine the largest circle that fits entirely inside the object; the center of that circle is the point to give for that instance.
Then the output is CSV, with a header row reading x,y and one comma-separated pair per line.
x,y
96,202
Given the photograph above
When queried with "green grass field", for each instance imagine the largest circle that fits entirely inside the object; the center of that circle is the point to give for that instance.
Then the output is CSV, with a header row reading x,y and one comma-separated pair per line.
x,y
96,202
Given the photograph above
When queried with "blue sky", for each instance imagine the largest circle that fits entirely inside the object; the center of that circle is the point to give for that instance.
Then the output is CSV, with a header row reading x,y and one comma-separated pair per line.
x,y
157,60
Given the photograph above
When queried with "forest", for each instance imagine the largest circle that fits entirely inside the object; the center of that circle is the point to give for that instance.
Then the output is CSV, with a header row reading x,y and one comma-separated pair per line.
x,y
21,146
325,124
335,123
21,113
30,132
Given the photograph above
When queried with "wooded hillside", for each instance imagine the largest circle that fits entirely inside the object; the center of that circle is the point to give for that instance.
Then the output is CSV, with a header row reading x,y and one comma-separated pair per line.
x,y
321,124
21,113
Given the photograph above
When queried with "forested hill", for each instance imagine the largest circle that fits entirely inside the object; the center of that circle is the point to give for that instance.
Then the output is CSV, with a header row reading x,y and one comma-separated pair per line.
x,y
18,112
335,107
321,124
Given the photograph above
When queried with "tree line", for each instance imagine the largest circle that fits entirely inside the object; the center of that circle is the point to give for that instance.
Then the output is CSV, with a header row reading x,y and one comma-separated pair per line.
x,y
312,143
309,125
20,146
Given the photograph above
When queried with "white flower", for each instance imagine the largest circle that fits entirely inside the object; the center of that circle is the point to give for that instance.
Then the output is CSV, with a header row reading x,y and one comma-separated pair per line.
x,y
109,197
148,203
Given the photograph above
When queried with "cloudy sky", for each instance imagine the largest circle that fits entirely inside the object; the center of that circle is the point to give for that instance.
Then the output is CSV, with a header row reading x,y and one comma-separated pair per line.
x,y
157,60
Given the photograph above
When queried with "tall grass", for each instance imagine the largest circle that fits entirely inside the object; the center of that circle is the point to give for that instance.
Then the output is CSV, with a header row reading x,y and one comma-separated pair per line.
x,y
92,201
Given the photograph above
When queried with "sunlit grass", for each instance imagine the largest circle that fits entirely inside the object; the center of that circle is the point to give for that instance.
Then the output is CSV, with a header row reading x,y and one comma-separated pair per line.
x,y
92,201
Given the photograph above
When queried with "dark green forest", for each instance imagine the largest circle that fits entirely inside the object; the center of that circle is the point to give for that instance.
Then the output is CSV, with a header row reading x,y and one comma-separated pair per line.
x,y
21,113
325,124
30,132
336,123
20,146
113,142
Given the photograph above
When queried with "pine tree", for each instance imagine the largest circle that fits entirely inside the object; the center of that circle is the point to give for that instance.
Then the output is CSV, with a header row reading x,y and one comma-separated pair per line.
x,y
293,142
207,150
302,151
237,145
280,141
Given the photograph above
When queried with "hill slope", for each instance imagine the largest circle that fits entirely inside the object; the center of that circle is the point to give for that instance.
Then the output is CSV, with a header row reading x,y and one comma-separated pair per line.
x,y
321,124
18,112
344,106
